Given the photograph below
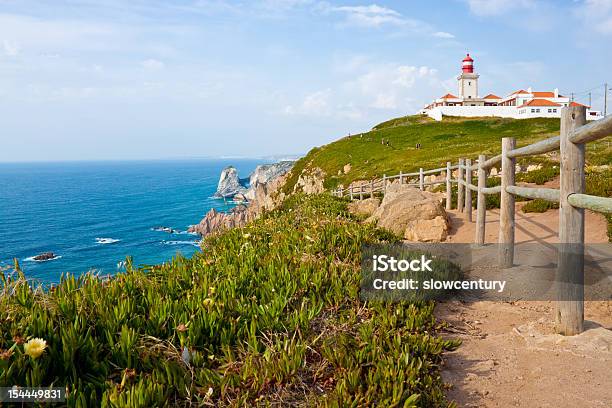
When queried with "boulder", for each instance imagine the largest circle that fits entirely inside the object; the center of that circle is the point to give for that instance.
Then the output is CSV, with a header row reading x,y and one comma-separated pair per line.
x,y
411,213
364,207
347,168
229,184
45,256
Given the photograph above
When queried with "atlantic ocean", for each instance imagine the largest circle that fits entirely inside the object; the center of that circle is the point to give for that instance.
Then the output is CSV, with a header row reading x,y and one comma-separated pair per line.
x,y
92,215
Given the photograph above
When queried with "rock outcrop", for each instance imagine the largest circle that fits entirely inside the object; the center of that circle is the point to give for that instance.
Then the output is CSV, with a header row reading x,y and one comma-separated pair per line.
x,y
215,221
365,207
262,195
229,184
310,182
265,174
411,213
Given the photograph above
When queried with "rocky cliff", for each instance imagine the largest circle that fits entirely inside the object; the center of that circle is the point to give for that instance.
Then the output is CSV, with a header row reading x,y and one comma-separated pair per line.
x,y
229,184
263,195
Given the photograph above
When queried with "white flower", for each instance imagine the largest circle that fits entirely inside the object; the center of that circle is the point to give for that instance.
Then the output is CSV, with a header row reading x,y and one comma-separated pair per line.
x,y
35,347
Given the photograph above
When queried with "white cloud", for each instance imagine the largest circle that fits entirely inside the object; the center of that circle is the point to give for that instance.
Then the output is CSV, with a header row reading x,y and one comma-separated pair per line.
x,y
370,89
370,16
11,48
597,15
314,104
498,7
443,34
152,64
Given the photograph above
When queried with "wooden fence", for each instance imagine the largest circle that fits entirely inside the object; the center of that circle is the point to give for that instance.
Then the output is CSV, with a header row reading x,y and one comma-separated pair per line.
x,y
574,134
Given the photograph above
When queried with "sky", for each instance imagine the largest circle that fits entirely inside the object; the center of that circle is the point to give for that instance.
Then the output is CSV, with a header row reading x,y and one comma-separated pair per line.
x,y
148,79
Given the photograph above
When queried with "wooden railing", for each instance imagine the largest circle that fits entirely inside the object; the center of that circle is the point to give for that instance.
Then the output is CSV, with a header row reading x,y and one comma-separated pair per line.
x,y
574,134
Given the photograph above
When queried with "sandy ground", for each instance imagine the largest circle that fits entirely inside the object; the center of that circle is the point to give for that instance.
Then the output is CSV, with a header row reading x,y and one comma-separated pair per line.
x,y
510,355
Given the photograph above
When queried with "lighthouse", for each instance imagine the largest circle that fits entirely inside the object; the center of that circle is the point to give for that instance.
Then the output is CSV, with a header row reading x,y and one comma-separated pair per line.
x,y
468,80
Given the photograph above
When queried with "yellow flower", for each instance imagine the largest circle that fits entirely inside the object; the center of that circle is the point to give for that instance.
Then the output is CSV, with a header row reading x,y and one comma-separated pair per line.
x,y
208,302
35,347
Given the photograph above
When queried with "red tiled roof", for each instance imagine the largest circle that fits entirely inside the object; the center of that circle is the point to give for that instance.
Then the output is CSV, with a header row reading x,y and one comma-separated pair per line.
x,y
492,96
579,104
543,94
520,91
539,102
449,96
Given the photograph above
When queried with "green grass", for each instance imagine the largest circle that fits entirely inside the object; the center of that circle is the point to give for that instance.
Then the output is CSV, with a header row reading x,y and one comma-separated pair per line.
x,y
443,141
266,315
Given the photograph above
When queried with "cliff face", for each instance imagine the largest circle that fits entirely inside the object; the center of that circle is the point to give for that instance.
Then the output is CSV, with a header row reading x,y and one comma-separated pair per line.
x,y
229,184
263,195
265,174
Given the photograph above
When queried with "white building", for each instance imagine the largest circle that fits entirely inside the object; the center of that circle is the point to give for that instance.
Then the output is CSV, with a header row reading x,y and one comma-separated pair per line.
x,y
521,104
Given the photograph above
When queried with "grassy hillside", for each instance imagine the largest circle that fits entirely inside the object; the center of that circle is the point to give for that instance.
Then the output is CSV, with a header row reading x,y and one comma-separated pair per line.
x,y
449,139
266,315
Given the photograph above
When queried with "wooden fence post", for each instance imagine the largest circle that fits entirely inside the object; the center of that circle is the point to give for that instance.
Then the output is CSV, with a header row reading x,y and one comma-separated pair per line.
x,y
506,211
421,178
401,178
384,184
449,193
361,191
372,188
351,192
570,273
481,201
460,193
468,191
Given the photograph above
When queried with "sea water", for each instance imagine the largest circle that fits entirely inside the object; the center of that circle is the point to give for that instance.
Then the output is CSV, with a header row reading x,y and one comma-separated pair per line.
x,y
92,215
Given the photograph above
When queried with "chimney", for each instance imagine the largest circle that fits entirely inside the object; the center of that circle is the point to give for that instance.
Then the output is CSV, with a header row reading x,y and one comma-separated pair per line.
x,y
556,92
529,90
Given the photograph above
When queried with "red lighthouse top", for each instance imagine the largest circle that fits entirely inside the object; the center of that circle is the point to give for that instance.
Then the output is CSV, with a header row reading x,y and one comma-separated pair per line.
x,y
468,65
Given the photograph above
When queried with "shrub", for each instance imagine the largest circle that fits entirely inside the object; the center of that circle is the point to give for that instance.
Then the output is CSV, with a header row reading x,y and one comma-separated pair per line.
x,y
540,176
539,206
265,315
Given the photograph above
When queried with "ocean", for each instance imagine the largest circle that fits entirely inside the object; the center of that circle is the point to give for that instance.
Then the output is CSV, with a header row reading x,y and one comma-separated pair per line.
x,y
92,215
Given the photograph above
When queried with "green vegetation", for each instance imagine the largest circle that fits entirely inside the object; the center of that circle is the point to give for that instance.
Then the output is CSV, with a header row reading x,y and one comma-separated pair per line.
x,y
443,141
540,176
599,183
539,206
266,315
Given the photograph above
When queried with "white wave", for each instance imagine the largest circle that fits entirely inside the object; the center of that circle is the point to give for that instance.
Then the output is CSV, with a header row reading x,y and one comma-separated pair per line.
x,y
169,230
31,259
185,232
194,243
106,240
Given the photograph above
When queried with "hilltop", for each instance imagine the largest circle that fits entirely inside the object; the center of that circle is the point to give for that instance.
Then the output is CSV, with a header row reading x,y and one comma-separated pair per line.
x,y
443,141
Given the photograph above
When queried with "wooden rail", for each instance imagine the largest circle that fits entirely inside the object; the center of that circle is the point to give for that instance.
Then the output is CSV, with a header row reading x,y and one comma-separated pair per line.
x,y
572,201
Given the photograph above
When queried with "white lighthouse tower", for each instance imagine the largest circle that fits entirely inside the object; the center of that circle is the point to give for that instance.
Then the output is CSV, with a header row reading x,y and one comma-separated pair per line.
x,y
468,80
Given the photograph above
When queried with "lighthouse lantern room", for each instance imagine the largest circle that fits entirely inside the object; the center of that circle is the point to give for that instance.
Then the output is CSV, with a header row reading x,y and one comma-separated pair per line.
x,y
468,80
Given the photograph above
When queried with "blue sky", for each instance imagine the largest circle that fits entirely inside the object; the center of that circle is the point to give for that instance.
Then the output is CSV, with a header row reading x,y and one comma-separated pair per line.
x,y
94,79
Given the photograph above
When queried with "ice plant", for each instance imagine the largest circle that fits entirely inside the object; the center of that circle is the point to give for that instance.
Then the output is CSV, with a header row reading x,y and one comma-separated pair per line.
x,y
35,347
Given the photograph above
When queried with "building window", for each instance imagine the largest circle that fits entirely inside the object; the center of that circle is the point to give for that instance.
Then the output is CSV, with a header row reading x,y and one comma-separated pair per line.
x,y
550,111
532,110
469,82
469,97
537,110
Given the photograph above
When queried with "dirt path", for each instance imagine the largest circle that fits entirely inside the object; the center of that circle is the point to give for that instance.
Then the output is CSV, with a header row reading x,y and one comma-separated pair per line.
x,y
510,355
